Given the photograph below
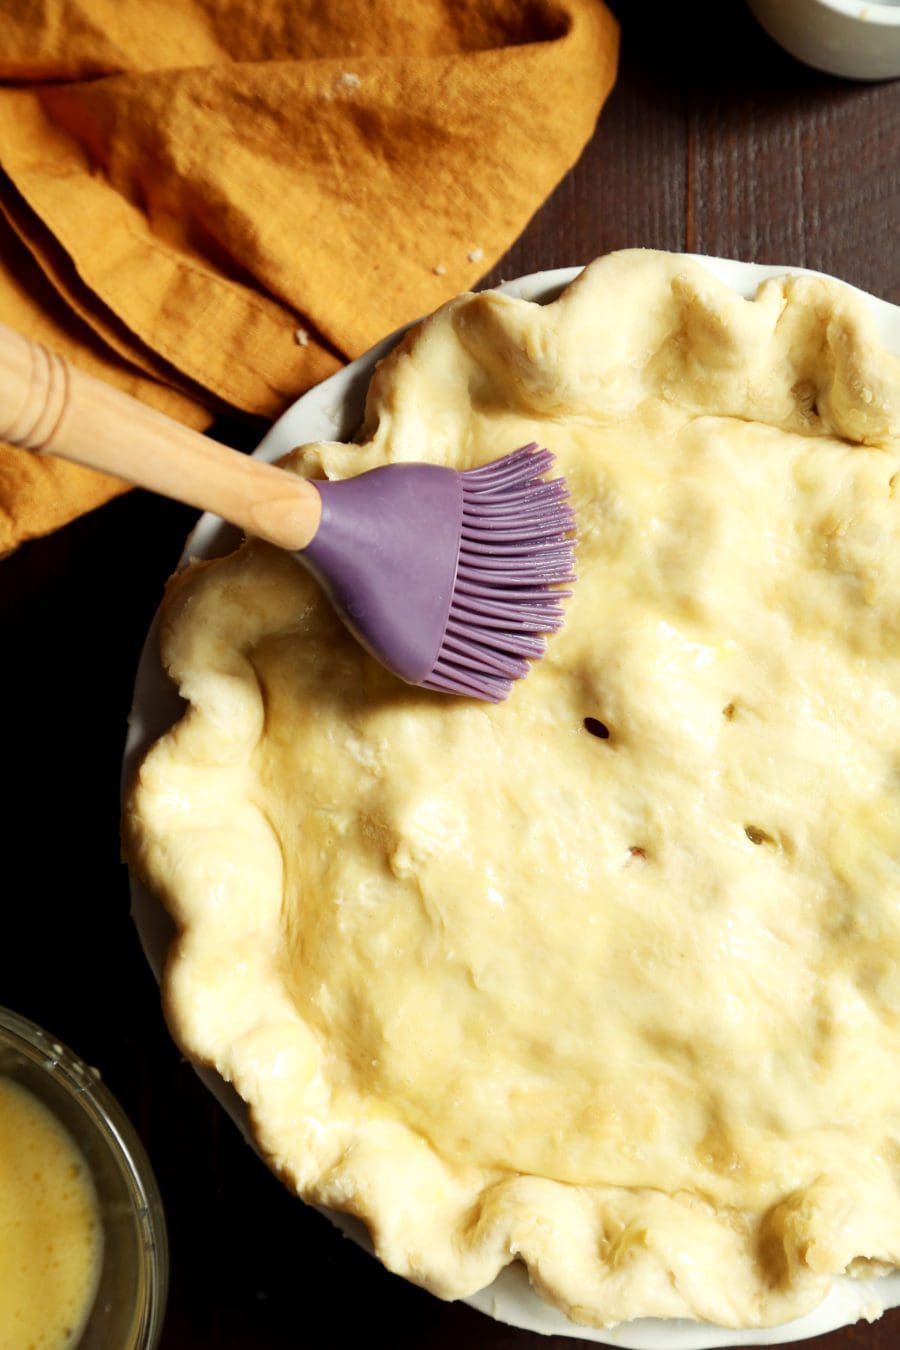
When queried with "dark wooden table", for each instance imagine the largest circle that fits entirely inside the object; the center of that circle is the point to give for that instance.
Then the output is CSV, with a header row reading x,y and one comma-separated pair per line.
x,y
721,146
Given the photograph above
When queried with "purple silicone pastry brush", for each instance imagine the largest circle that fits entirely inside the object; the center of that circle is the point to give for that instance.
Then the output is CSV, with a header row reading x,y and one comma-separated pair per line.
x,y
449,577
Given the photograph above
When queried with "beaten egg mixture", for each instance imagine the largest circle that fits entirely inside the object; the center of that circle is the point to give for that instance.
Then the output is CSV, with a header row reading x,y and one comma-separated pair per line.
x,y
605,978
51,1231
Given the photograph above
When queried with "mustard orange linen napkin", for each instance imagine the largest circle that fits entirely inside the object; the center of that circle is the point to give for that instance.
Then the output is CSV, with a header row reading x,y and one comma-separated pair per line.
x,y
216,202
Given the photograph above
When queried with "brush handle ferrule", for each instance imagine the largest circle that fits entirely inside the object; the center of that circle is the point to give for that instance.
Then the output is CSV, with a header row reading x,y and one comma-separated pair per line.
x,y
49,407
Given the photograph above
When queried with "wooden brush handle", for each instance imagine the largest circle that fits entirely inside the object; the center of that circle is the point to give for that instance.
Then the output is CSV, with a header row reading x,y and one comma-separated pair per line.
x,y
49,407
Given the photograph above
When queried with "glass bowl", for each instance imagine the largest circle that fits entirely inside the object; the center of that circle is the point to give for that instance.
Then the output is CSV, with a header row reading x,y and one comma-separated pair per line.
x,y
130,1302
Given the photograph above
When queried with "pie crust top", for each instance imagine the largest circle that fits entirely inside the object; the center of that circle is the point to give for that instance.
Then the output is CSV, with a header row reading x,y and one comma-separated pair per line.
x,y
626,1007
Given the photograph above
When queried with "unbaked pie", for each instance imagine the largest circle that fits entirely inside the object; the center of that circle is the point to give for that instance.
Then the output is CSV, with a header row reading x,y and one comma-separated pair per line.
x,y
606,978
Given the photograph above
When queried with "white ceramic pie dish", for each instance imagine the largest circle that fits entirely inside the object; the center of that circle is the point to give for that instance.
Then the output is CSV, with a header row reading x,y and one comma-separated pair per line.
x,y
332,411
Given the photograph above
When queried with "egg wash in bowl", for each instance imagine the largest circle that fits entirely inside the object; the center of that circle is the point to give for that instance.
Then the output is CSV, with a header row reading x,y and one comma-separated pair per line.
x,y
603,979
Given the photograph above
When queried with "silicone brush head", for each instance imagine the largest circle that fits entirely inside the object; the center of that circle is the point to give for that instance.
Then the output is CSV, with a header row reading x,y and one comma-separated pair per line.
x,y
449,577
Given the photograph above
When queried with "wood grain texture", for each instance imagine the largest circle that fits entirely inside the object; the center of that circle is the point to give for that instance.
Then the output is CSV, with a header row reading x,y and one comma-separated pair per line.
x,y
713,141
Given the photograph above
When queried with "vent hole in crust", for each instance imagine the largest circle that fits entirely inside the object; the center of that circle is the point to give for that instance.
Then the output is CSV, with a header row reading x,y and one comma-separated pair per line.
x,y
758,836
595,727
729,712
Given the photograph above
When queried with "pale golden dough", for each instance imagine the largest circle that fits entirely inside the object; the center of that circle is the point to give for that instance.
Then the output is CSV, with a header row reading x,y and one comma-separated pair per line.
x,y
628,1010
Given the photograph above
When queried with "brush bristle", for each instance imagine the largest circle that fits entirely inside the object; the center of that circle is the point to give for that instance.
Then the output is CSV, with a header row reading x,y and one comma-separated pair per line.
x,y
516,544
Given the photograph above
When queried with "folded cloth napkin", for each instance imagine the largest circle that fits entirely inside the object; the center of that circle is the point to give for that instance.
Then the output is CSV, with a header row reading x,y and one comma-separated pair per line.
x,y
214,203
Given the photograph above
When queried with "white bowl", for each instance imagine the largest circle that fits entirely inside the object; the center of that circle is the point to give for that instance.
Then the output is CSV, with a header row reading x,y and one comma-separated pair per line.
x,y
332,411
844,37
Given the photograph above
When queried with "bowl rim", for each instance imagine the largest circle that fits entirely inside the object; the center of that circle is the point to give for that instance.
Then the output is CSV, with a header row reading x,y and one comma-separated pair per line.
x,y
875,12
83,1085
322,410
